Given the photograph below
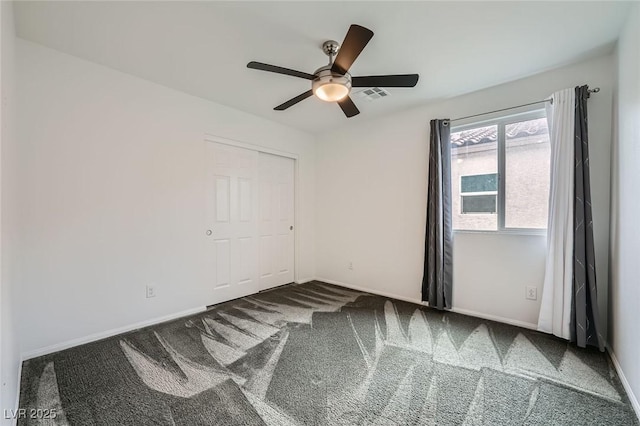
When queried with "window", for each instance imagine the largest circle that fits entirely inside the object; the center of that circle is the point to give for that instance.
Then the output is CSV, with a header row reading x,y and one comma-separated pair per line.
x,y
479,193
500,174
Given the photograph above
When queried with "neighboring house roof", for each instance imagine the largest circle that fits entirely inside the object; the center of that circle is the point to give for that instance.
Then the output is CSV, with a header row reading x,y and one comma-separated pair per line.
x,y
489,134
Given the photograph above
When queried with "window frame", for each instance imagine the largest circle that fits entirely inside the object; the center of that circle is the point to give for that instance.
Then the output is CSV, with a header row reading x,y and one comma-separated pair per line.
x,y
501,122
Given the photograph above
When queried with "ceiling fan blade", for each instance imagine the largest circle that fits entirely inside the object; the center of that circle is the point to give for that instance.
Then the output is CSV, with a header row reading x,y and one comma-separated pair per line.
x,y
354,42
401,80
279,70
348,107
292,102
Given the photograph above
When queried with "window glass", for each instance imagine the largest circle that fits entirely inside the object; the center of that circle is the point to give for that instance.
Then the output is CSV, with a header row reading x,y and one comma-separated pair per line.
x,y
479,183
476,204
527,174
474,172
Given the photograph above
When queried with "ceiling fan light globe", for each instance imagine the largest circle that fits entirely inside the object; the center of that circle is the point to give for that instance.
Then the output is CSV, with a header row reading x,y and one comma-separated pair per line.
x,y
329,86
331,92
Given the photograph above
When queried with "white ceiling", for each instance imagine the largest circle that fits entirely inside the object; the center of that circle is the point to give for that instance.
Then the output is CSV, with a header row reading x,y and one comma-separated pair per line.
x,y
202,48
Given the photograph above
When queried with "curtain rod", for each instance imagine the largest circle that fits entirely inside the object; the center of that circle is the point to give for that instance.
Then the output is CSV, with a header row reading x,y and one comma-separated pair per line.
x,y
594,90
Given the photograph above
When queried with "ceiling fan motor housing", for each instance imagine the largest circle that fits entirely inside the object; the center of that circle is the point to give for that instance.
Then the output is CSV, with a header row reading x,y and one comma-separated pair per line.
x,y
326,84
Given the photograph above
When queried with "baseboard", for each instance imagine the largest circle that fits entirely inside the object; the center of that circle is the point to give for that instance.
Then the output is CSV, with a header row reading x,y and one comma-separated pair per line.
x,y
304,280
368,290
495,318
109,333
470,313
625,383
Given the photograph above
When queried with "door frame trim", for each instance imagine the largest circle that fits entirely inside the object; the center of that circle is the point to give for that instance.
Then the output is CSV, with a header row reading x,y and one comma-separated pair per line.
x,y
208,138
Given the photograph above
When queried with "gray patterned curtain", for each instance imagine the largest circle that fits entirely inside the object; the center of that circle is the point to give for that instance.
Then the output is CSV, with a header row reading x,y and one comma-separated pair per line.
x,y
438,250
584,303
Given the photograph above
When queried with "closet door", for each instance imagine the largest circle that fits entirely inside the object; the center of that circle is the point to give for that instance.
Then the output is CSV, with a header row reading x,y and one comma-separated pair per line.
x,y
276,220
232,221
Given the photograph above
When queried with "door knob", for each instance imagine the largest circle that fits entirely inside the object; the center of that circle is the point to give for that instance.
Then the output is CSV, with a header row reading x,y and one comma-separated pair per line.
x,y
291,228
209,232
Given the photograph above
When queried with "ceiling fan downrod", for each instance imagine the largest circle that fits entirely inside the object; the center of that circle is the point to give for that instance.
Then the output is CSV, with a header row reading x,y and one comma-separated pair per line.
x,y
330,48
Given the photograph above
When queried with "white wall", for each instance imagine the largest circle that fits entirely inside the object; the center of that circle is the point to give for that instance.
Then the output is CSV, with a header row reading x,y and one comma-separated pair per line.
x,y
371,198
9,346
111,180
624,333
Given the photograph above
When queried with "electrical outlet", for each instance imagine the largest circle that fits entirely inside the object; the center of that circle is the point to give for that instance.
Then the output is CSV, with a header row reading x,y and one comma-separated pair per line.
x,y
350,266
151,291
532,293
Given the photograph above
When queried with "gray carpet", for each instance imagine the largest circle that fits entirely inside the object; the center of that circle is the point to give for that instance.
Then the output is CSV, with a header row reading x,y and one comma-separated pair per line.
x,y
316,354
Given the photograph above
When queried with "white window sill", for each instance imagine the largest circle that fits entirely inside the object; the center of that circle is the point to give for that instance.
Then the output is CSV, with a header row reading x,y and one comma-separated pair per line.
x,y
527,232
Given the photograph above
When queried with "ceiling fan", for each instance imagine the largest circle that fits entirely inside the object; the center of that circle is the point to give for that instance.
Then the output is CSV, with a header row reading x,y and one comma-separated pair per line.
x,y
332,82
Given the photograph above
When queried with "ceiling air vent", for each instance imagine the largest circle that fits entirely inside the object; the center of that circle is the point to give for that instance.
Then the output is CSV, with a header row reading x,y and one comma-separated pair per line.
x,y
371,94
